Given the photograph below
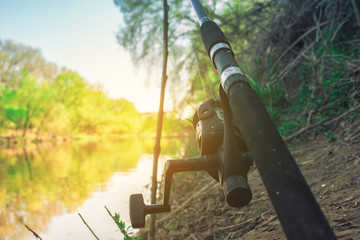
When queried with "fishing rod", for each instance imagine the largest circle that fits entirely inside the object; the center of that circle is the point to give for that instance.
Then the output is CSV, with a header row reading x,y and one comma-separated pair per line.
x,y
232,132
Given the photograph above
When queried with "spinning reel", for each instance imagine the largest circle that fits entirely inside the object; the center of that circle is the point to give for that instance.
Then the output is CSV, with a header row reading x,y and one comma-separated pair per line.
x,y
224,155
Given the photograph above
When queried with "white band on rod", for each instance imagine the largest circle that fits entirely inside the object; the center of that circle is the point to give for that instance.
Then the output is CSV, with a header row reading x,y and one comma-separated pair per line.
x,y
229,72
217,47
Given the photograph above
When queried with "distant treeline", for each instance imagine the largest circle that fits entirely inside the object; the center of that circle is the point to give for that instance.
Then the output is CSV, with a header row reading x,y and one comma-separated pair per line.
x,y
38,96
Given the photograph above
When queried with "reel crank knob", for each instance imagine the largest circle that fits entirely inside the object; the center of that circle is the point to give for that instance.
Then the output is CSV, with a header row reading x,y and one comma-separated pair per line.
x,y
138,210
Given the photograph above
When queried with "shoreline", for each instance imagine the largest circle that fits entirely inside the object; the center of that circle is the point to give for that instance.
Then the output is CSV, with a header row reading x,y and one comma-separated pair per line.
x,y
9,141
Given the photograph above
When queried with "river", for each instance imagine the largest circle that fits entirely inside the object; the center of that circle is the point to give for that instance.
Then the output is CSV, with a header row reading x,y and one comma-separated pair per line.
x,y
46,186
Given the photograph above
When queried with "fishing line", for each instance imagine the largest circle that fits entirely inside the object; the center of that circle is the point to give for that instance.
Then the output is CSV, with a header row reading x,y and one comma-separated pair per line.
x,y
198,68
193,52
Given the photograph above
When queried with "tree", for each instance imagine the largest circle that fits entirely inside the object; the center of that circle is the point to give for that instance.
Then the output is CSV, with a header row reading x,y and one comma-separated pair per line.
x,y
15,57
13,114
126,119
27,103
141,35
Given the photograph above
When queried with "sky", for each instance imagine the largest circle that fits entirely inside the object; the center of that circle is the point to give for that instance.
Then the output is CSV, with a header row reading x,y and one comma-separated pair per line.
x,y
81,35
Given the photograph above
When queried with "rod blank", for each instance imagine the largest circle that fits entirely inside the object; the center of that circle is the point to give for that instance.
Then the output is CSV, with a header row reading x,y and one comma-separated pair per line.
x,y
200,11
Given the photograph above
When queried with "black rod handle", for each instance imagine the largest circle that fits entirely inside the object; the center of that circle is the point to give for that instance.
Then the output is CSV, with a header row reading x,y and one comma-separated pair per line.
x,y
298,211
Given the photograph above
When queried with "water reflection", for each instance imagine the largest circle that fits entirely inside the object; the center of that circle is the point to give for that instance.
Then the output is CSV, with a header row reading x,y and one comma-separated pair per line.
x,y
44,187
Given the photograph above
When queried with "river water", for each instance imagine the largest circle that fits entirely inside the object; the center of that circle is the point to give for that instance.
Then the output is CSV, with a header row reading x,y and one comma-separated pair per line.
x,y
46,186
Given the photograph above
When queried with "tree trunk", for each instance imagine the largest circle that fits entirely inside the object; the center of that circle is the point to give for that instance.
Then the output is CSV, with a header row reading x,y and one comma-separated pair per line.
x,y
157,147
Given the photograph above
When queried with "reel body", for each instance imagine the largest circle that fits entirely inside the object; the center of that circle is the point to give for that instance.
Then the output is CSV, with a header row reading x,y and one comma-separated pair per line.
x,y
221,147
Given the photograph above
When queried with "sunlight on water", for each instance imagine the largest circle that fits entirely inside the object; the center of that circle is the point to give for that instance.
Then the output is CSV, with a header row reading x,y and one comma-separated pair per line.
x,y
45,187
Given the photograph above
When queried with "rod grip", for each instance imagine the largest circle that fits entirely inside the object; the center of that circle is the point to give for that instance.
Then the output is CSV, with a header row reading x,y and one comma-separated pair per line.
x,y
212,34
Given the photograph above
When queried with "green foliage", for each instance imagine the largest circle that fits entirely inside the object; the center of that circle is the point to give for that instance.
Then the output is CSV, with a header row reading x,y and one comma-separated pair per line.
x,y
290,125
330,136
171,226
125,230
301,56
141,35
15,115
273,97
68,104
15,57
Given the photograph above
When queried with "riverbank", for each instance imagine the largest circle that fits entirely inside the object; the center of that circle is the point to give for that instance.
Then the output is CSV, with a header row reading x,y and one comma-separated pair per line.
x,y
330,163
14,139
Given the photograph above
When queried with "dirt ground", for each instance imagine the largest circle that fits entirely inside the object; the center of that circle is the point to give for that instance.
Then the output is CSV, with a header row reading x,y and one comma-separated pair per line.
x,y
330,165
